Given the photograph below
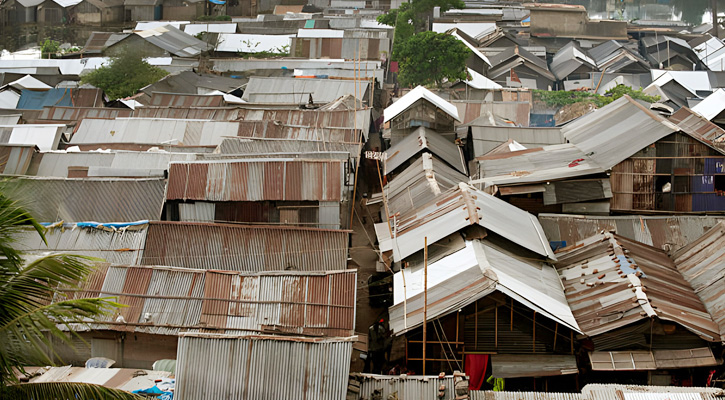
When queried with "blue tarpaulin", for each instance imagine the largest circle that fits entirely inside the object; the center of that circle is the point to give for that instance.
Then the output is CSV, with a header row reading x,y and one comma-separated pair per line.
x,y
219,2
34,100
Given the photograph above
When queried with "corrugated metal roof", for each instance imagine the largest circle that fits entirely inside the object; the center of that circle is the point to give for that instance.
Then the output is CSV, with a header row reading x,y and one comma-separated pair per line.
x,y
165,91
169,300
246,43
408,388
597,142
712,106
412,97
67,97
174,41
257,180
423,139
699,128
458,208
120,246
570,58
611,391
185,100
612,56
45,136
486,138
117,163
245,248
472,273
628,282
101,200
504,61
196,28
276,130
70,114
419,184
274,90
251,146
702,265
669,233
246,368
99,41
491,395
15,158
153,131
650,360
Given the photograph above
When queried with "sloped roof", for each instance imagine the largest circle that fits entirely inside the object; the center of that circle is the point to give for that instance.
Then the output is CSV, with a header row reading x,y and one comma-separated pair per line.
x,y
712,106
30,83
474,49
699,128
514,56
629,282
420,93
419,184
703,266
174,41
286,90
99,41
597,142
479,81
568,59
458,208
471,273
423,139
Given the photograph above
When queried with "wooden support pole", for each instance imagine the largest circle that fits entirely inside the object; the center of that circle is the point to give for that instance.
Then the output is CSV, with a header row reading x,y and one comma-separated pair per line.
x,y
512,315
475,326
425,297
533,342
556,333
495,329
571,340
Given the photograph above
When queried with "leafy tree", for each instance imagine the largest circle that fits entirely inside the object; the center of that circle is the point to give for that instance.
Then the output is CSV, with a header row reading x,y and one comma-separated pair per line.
x,y
125,75
33,302
49,48
431,57
412,17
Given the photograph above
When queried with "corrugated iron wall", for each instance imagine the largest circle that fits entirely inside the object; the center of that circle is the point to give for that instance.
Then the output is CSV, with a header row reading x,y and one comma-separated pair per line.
x,y
101,200
245,248
297,180
261,368
410,388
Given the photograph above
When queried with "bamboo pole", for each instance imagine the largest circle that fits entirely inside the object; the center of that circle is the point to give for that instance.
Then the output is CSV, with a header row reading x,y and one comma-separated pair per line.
x,y
425,297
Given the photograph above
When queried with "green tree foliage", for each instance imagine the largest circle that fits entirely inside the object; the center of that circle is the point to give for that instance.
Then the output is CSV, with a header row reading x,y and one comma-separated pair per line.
x,y
125,75
413,17
36,298
430,57
49,49
562,98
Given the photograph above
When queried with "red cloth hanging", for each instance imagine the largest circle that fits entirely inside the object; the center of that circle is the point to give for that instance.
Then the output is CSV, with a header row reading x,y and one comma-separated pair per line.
x,y
476,370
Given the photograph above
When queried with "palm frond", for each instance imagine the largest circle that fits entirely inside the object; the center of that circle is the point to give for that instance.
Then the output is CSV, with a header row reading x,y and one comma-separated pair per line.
x,y
64,391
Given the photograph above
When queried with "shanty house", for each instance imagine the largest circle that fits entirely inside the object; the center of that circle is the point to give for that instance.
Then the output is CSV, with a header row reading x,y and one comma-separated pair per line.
x,y
572,21
142,10
364,44
636,311
492,297
162,41
656,165
517,67
419,107
298,192
97,12
182,10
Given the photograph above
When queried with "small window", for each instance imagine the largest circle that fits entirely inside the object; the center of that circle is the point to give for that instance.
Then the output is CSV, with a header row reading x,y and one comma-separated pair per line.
x,y
719,182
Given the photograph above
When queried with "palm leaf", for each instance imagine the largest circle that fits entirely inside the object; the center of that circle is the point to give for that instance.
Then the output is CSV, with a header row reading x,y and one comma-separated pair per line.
x,y
64,391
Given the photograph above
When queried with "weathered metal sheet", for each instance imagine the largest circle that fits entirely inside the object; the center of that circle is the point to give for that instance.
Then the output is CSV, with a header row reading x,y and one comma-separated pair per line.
x,y
669,233
609,275
15,159
424,139
185,100
408,388
123,246
460,207
487,138
168,300
252,146
245,248
702,263
594,391
491,395
276,90
238,180
248,367
532,365
698,127
101,200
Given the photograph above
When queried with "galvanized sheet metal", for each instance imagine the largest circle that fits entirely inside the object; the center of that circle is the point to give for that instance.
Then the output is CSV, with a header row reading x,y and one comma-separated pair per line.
x,y
123,246
252,146
669,233
101,200
245,248
702,263
250,367
15,159
257,180
491,395
408,388
609,275
276,90
168,300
